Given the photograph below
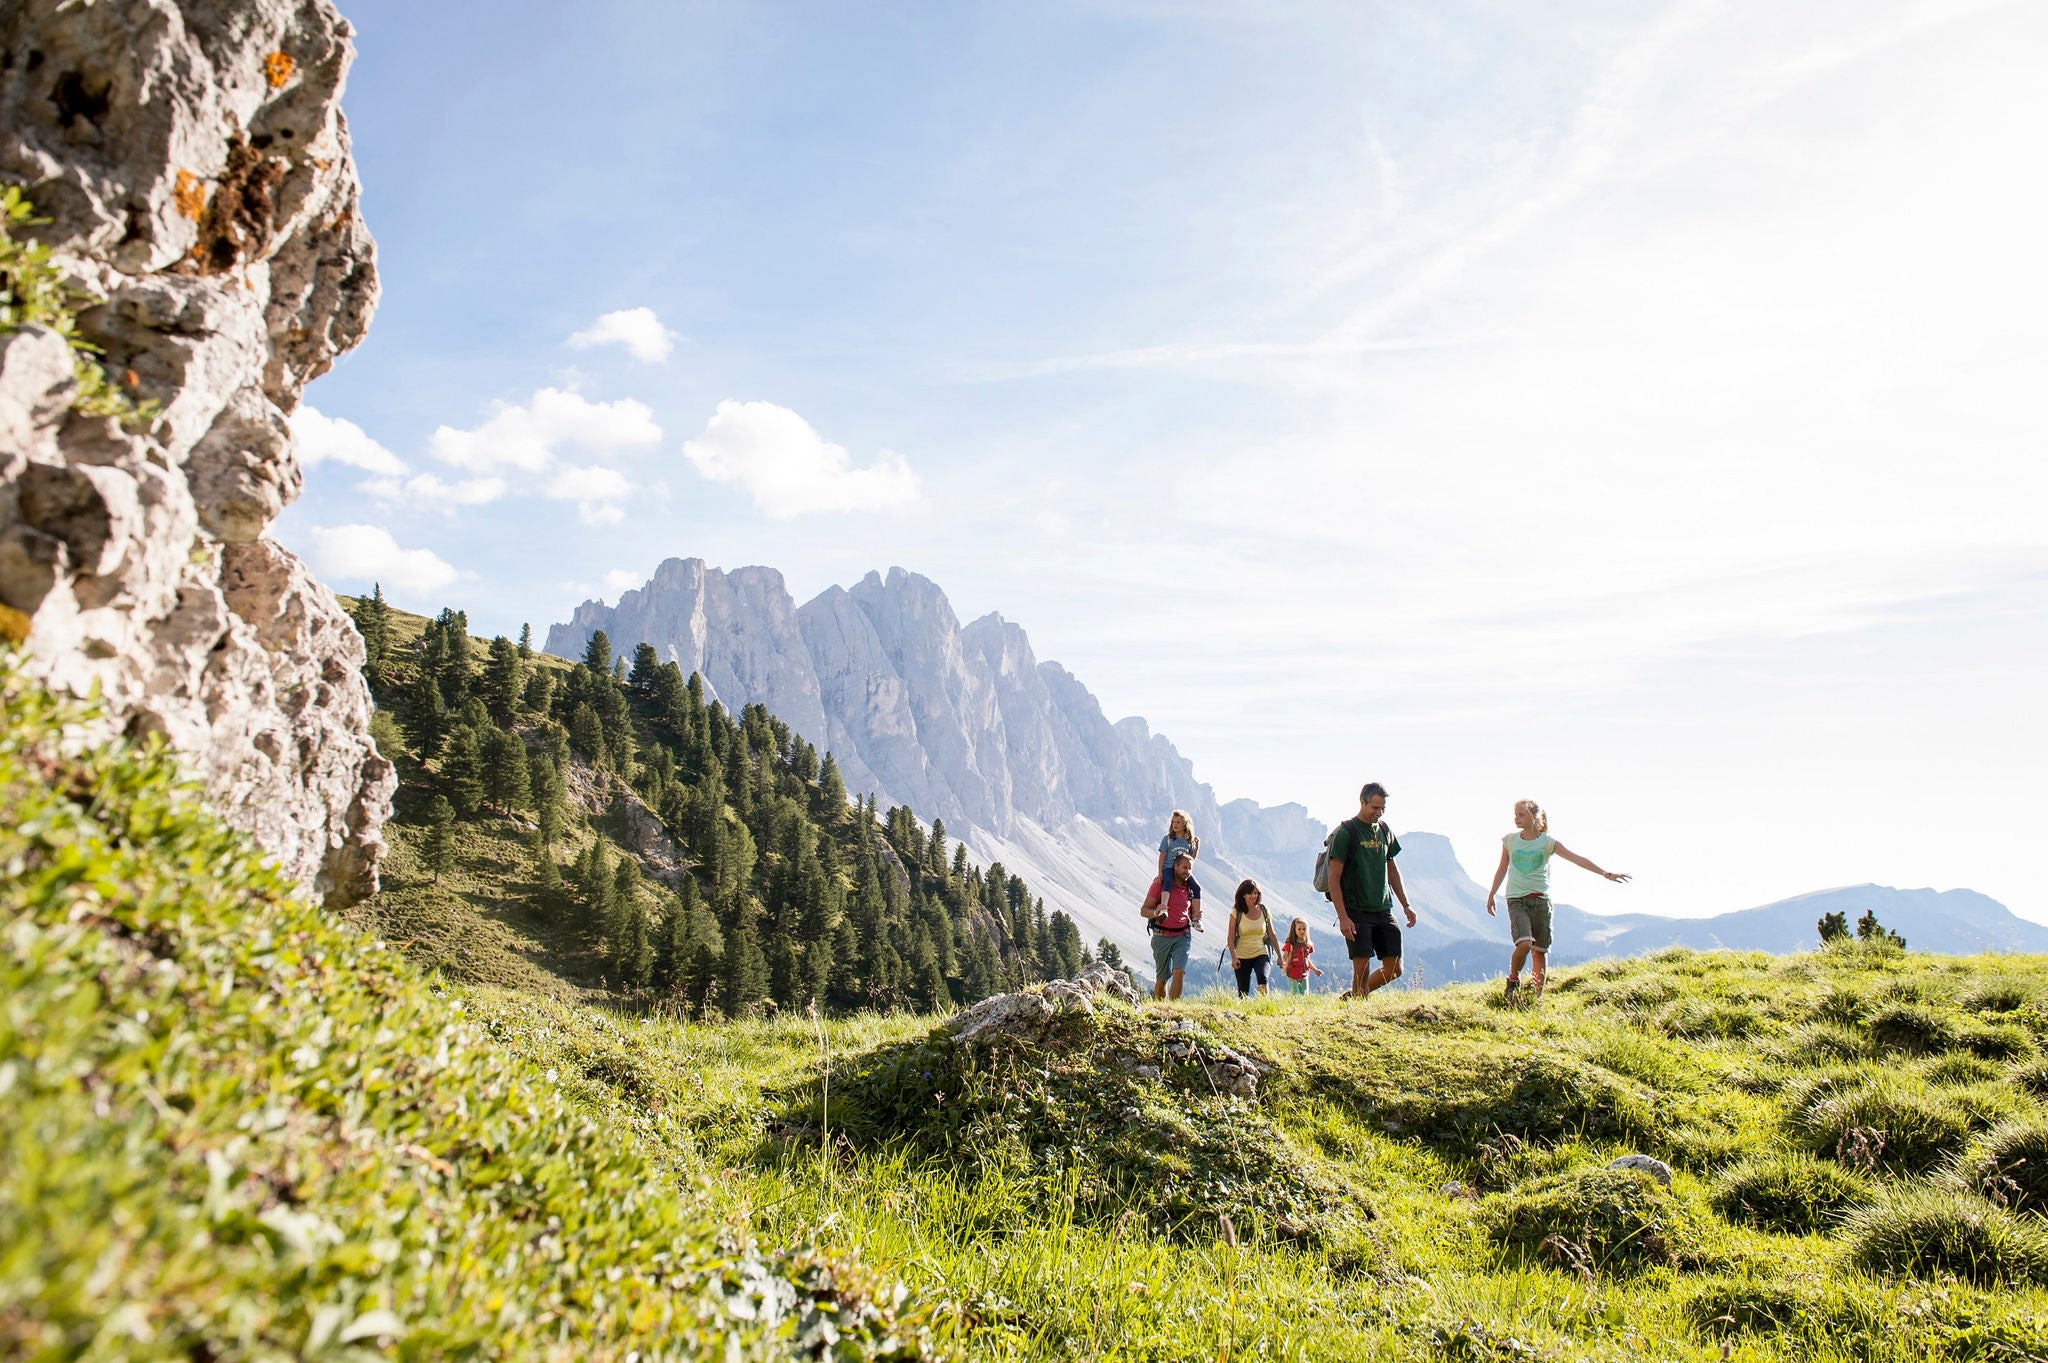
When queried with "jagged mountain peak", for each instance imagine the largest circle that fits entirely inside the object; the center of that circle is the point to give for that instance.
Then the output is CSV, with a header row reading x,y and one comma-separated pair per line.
x,y
963,723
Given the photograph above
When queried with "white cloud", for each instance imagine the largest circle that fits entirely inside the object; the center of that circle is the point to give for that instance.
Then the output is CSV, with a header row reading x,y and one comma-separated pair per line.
x,y
527,437
623,579
426,489
589,485
595,490
321,438
367,553
781,461
637,329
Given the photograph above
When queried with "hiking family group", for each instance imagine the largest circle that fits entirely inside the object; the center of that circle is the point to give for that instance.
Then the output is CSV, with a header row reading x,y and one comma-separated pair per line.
x,y
1357,871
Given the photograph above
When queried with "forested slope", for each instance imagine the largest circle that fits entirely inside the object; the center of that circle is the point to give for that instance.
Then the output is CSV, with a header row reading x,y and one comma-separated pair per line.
x,y
599,828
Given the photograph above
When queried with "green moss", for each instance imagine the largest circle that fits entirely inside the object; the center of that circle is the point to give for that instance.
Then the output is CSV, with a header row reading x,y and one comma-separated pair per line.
x,y
1912,1028
235,1129
1076,1113
1810,1314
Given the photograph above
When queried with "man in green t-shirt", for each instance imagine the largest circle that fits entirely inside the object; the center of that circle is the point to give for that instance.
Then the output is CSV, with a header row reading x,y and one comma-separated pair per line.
x,y
1362,872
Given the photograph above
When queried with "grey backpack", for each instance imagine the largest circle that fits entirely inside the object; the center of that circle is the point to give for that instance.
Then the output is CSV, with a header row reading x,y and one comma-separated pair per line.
x,y
1321,879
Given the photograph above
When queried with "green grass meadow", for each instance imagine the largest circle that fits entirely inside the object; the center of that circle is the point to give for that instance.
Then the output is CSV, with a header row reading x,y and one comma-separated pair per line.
x,y
232,1127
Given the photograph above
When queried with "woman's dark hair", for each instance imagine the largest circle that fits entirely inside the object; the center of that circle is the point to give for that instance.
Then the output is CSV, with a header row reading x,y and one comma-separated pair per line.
x,y
1245,887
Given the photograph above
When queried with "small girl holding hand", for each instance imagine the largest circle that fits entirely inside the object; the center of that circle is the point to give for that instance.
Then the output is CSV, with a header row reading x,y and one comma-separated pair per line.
x,y
1294,957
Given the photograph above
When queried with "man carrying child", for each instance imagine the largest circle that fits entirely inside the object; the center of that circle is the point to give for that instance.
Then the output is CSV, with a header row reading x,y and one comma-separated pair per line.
x,y
1173,910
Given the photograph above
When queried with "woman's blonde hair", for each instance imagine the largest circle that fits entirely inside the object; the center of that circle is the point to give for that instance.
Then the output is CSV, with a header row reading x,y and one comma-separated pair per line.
x,y
1182,815
1542,819
1298,930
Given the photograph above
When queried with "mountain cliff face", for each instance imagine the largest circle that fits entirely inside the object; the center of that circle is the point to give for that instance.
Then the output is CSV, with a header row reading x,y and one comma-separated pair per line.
x,y
959,722
193,167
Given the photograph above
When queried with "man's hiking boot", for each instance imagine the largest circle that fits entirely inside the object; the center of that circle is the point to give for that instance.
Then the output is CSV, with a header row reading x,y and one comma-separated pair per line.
x,y
1514,985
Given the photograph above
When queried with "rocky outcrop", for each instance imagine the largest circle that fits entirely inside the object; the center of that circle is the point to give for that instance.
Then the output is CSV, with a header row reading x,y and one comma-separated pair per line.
x,y
599,795
962,723
192,161
1029,1012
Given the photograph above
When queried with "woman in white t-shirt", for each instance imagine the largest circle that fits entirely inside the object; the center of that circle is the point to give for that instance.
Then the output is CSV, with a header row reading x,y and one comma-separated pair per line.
x,y
1525,864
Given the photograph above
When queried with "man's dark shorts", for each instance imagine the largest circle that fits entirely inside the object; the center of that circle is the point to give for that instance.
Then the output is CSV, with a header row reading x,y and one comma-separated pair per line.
x,y
1375,939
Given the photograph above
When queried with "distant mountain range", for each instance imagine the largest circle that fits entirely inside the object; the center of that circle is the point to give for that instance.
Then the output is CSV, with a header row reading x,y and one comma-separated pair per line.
x,y
964,723
1457,941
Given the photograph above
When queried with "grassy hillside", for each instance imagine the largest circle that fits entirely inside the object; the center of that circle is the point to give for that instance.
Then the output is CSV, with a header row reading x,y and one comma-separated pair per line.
x,y
1858,1139
233,1128
230,1128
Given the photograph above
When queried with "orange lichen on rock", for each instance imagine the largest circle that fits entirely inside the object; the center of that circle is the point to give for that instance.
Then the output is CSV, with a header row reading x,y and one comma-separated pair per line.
x,y
190,195
278,68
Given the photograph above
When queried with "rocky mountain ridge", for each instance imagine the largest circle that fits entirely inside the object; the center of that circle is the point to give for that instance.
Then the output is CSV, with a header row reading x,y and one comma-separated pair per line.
x,y
959,722
191,179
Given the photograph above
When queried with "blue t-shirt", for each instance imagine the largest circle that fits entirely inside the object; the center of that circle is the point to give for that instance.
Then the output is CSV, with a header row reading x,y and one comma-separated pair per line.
x,y
1172,847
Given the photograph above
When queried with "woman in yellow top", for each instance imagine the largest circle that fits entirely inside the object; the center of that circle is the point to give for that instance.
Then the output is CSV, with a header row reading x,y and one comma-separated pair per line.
x,y
1251,938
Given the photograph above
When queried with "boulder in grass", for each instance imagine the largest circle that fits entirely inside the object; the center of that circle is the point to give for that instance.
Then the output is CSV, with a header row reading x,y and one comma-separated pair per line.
x,y
1027,1012
1655,1168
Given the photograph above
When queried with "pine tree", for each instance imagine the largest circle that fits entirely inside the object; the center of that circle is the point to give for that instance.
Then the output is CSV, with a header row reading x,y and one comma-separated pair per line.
x,y
597,654
506,783
373,621
425,716
586,732
525,643
1110,954
438,849
831,801
746,972
539,692
646,662
504,677
935,854
926,983
544,781
457,670
462,771
780,955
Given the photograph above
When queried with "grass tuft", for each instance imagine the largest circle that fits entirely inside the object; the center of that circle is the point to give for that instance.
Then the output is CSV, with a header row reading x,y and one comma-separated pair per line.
x,y
1791,1193
1885,1120
2009,1165
1619,1219
1927,1231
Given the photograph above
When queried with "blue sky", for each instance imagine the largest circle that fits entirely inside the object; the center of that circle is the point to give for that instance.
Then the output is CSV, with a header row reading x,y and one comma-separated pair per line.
x,y
1633,406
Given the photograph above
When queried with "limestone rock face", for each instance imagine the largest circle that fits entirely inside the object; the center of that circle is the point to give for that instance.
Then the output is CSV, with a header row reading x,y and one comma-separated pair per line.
x,y
961,723
193,162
